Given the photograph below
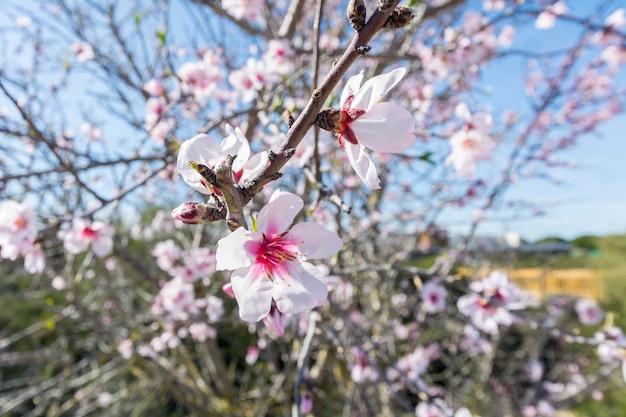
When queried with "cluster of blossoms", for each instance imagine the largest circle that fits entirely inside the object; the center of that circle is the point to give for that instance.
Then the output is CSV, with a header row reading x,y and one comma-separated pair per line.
x,y
472,143
18,234
259,74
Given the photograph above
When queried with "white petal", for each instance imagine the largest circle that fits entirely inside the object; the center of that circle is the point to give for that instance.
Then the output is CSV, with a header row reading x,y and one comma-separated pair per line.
x,y
462,112
363,165
236,144
201,149
233,250
351,88
253,292
376,88
304,289
314,241
278,214
387,128
253,165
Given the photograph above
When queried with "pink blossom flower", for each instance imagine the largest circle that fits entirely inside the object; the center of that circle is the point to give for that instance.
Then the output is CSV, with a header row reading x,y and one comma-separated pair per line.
x,y
92,132
489,305
250,10
18,229
365,122
125,348
278,56
506,37
472,143
252,355
200,78
361,370
616,20
433,297
588,311
82,234
176,299
415,364
252,78
471,341
201,332
202,149
306,402
83,51
214,308
547,18
463,412
154,88
34,259
270,262
23,22
436,408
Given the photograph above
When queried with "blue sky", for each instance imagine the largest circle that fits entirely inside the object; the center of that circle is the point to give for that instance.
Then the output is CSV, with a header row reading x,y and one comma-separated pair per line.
x,y
590,199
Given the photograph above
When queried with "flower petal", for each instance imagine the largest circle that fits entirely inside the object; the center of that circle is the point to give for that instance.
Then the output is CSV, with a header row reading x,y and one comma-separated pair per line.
x,y
253,165
304,288
278,214
253,291
351,88
387,128
376,88
236,144
200,148
233,251
314,241
363,165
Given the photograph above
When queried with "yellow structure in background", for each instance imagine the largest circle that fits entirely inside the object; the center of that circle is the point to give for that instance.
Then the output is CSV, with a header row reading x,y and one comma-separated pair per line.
x,y
540,282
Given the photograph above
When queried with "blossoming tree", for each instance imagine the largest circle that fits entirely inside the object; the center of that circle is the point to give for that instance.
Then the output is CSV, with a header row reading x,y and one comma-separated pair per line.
x,y
278,277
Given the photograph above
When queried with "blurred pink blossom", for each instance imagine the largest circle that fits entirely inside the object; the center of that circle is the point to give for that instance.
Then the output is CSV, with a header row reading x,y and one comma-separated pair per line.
x,y
433,297
489,304
547,18
83,234
589,312
472,143
83,51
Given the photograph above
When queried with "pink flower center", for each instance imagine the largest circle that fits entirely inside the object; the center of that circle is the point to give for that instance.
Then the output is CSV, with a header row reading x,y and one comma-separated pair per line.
x,y
346,117
20,223
89,233
468,143
273,252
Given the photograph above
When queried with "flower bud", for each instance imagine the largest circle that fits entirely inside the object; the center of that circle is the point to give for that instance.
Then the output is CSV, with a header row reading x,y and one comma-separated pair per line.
x,y
306,402
356,14
400,17
274,321
197,213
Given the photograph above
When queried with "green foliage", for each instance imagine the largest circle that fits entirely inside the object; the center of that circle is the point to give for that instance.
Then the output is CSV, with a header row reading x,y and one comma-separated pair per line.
x,y
586,242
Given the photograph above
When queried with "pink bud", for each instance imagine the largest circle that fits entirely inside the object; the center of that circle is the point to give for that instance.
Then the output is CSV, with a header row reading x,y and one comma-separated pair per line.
x,y
252,355
274,321
228,289
187,213
196,213
306,403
